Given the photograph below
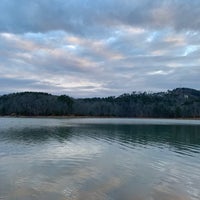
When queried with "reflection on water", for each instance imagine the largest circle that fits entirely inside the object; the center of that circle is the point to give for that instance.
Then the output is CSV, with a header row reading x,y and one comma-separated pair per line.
x,y
83,159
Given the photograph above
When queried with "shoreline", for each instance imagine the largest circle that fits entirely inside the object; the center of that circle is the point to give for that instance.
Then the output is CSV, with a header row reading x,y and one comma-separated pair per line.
x,y
93,117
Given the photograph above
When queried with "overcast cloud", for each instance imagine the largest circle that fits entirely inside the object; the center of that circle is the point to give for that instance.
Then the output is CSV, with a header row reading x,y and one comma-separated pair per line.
x,y
87,48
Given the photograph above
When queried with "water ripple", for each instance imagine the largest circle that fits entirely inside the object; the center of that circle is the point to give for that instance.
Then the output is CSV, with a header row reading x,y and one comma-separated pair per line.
x,y
90,159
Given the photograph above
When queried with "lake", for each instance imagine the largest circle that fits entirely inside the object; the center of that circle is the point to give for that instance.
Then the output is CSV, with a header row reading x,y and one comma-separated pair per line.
x,y
99,159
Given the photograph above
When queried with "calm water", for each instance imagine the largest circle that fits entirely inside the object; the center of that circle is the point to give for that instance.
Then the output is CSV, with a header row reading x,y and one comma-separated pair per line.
x,y
99,159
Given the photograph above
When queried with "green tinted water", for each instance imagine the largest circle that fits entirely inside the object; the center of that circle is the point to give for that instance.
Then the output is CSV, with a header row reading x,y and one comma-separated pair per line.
x,y
83,159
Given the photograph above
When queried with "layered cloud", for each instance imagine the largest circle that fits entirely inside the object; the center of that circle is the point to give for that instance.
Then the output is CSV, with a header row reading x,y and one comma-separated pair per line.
x,y
99,48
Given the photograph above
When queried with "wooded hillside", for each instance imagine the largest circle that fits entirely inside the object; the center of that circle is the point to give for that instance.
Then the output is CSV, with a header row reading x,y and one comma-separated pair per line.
x,y
180,102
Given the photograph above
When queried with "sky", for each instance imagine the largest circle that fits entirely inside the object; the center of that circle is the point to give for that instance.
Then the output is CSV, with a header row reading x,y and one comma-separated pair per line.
x,y
87,48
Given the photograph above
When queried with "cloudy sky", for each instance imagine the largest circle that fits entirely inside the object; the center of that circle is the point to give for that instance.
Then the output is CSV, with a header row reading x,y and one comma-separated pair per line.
x,y
87,48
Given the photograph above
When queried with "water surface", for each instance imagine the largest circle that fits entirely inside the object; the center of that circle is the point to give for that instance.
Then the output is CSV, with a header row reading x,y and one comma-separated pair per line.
x,y
90,159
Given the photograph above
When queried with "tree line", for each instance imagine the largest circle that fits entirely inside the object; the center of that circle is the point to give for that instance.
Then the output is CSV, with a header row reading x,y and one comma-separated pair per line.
x,y
177,103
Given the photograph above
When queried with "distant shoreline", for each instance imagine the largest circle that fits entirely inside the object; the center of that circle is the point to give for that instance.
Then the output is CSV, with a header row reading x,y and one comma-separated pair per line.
x,y
180,103
94,117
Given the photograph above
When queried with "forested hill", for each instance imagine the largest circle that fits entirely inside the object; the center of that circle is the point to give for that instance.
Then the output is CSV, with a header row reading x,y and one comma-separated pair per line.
x,y
180,102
